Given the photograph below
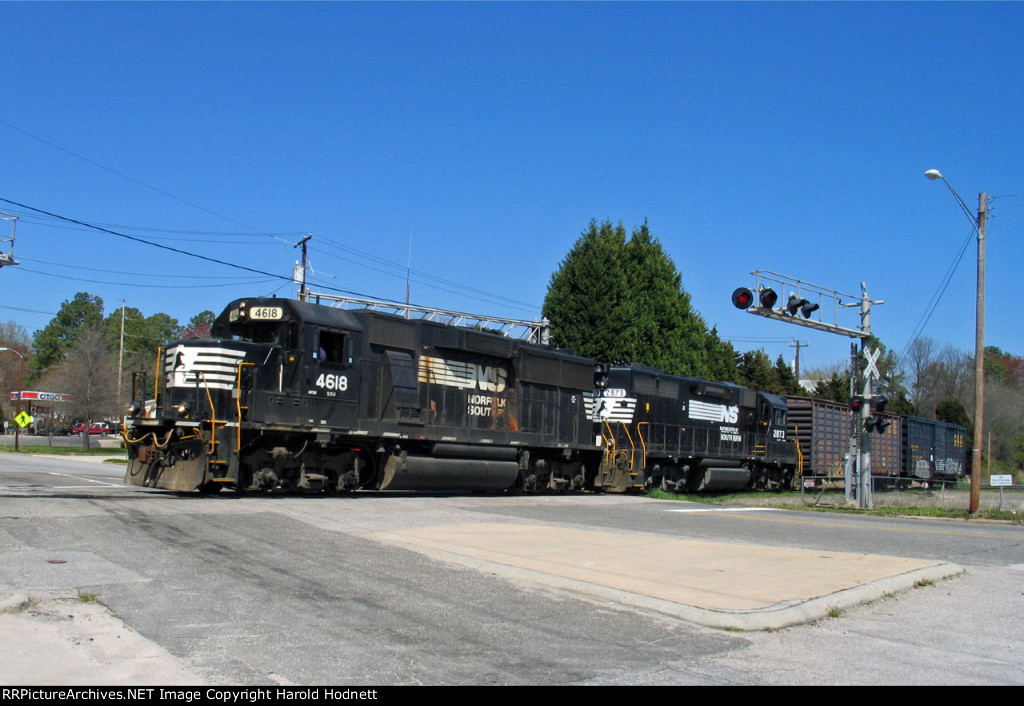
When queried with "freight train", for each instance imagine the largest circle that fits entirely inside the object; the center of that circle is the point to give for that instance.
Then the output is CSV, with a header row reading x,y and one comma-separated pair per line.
x,y
288,395
909,449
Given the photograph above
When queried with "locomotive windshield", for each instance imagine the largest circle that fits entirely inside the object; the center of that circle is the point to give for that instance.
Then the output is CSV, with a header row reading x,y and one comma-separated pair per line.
x,y
251,332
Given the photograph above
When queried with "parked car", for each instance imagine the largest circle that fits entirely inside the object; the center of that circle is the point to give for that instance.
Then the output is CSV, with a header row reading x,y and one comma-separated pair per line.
x,y
101,428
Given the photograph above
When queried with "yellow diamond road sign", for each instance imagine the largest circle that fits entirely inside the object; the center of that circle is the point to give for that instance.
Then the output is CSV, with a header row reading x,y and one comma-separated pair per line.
x,y
23,419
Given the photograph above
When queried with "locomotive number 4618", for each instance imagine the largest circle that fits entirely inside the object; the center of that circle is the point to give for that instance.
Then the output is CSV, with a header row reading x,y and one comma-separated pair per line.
x,y
328,381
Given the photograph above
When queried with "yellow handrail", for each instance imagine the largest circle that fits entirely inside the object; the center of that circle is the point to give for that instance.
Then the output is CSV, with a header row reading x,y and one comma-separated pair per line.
x,y
238,406
643,442
156,381
213,414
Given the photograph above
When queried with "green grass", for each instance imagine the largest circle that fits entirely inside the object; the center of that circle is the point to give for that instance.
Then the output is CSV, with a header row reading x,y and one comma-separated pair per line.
x,y
793,501
87,598
937,512
62,451
708,498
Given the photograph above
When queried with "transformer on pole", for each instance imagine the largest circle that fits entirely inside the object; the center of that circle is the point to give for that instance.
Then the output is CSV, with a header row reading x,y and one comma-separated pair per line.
x,y
7,241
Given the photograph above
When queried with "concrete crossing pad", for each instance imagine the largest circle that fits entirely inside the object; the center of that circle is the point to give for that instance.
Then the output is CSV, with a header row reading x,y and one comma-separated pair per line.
x,y
717,584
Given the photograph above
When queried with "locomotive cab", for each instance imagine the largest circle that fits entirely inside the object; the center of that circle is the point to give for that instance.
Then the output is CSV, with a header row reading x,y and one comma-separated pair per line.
x,y
240,408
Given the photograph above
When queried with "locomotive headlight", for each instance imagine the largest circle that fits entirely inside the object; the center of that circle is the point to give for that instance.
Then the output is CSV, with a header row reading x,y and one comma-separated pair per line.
x,y
184,409
134,408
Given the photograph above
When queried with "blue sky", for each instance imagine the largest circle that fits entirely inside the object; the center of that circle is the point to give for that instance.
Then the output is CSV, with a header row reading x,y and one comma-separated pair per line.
x,y
790,137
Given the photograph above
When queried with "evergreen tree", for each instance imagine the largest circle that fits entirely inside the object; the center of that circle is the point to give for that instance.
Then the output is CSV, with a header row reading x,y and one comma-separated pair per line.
x,y
142,335
836,388
786,378
619,299
588,298
756,371
723,360
82,313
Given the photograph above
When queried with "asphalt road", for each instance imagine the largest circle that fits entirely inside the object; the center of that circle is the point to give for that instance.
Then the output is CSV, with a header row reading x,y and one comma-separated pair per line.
x,y
309,590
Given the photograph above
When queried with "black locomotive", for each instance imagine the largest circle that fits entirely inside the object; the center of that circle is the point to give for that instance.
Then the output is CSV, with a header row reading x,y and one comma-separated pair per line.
x,y
289,395
292,395
683,434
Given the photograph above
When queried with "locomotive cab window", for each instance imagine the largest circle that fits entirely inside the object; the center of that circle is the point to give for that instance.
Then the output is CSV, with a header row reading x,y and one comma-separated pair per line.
x,y
273,333
332,348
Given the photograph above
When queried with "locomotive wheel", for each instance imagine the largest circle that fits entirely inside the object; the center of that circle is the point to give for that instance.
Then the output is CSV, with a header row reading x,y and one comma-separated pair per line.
x,y
211,488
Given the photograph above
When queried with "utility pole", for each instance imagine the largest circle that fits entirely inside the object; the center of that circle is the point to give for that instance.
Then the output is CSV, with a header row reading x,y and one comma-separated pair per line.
x,y
120,358
979,363
797,343
979,337
303,291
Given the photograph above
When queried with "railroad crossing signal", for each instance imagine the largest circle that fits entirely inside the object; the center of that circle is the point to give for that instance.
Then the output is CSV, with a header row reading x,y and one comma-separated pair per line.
x,y
871,356
808,305
742,298
876,422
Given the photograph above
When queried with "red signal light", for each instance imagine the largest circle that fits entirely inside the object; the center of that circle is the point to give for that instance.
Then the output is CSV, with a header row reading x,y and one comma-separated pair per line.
x,y
742,298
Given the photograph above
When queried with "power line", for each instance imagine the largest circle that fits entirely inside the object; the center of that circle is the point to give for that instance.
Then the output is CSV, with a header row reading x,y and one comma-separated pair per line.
x,y
206,258
132,179
933,303
144,285
428,280
119,272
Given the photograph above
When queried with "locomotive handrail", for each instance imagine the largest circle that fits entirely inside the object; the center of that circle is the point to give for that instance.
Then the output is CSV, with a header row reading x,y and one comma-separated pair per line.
x,y
643,442
799,456
157,378
238,406
632,446
213,413
530,331
610,444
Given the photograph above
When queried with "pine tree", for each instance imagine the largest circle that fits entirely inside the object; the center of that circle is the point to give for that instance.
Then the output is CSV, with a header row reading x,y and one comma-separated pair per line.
x,y
619,299
756,371
588,297
786,379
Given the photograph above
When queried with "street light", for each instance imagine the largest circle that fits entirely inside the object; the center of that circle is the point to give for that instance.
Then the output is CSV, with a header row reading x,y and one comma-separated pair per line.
x,y
21,378
979,336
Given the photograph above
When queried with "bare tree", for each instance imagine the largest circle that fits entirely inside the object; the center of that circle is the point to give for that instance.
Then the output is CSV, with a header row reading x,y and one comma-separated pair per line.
x,y
935,376
89,376
12,364
920,359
